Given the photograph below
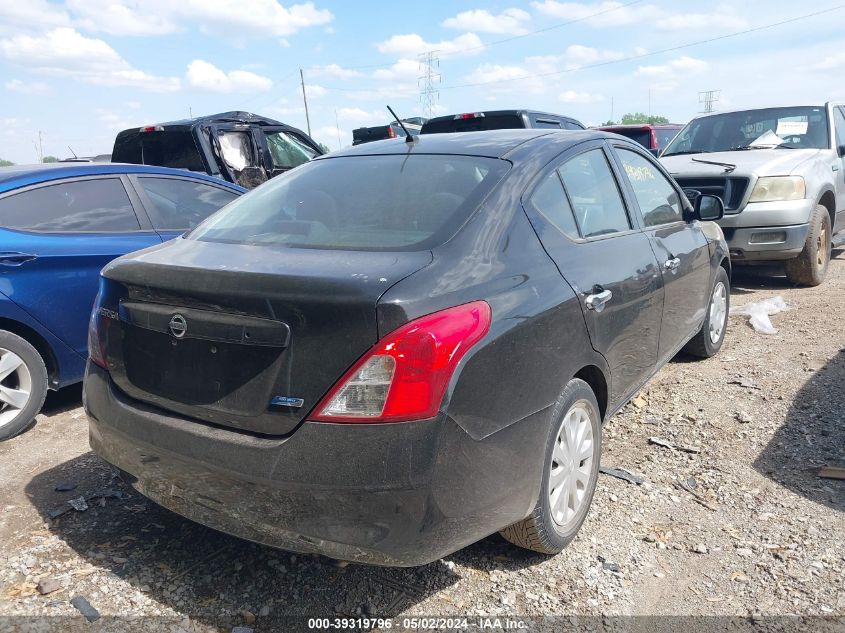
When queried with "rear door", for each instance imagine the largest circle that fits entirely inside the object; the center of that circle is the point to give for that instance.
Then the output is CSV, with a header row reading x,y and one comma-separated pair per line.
x,y
55,240
682,250
580,216
176,204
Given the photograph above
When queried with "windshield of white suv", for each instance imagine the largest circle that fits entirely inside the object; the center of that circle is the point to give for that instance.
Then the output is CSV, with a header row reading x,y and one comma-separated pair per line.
x,y
767,128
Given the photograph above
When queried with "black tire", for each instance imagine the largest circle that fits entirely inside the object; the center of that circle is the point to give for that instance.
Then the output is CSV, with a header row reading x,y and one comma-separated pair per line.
x,y
810,267
539,531
37,375
702,344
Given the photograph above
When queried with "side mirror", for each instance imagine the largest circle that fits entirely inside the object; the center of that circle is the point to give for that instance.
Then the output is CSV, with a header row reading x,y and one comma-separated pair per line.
x,y
655,152
841,151
708,208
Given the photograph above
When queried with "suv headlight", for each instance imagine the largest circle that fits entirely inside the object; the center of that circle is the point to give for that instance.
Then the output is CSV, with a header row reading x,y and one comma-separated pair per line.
x,y
776,188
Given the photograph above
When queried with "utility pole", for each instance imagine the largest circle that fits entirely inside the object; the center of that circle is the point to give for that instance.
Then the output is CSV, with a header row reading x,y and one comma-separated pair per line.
x,y
430,75
305,101
708,98
337,127
39,147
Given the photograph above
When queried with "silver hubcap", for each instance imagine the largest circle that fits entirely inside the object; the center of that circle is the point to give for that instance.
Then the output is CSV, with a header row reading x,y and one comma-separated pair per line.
x,y
718,311
572,464
15,386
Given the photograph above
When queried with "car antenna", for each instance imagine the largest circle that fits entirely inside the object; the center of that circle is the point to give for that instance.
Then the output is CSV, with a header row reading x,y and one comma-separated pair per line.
x,y
409,138
72,152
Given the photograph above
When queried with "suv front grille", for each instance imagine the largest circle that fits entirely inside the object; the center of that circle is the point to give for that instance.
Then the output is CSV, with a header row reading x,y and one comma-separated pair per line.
x,y
730,189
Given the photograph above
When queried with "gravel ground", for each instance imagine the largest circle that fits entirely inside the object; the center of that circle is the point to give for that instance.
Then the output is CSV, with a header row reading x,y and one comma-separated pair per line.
x,y
731,518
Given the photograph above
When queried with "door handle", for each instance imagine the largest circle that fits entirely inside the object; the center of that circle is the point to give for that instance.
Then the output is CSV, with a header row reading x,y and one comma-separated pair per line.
x,y
672,264
598,300
12,258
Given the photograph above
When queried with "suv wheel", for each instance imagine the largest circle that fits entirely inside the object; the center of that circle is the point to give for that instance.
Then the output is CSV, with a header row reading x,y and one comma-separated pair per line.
x,y
710,337
570,472
810,267
23,384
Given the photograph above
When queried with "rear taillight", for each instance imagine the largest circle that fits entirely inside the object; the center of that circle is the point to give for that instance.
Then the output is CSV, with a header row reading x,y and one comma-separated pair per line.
x,y
152,128
96,351
391,133
405,376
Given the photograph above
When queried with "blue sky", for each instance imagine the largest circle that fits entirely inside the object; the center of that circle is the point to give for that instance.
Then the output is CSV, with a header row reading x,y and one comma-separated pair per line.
x,y
81,70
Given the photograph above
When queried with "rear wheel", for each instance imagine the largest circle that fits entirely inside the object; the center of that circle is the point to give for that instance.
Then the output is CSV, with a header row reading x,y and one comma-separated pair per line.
x,y
572,455
23,384
710,337
810,267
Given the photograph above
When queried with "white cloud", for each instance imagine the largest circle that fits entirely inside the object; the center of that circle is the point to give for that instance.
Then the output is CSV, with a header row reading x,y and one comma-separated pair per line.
x,y
682,65
508,21
334,70
358,117
404,69
601,14
572,96
577,55
701,22
831,62
230,18
27,87
65,52
205,76
31,14
411,44
314,91
509,77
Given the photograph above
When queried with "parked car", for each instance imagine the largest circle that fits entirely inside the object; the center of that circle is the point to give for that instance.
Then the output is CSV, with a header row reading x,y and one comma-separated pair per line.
x,y
781,174
240,147
387,374
381,132
499,120
654,137
59,225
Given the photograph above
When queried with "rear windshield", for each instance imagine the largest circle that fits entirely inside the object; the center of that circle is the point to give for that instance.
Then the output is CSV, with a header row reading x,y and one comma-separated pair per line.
x,y
475,124
171,148
643,137
392,202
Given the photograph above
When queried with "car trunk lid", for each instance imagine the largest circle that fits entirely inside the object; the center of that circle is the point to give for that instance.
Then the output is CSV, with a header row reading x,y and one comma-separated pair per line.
x,y
244,336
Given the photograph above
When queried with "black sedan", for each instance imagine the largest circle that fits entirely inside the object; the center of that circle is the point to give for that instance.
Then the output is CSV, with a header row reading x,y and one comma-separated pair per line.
x,y
396,350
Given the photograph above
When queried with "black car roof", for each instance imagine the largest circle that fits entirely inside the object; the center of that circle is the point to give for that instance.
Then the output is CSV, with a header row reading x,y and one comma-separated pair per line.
x,y
489,143
234,116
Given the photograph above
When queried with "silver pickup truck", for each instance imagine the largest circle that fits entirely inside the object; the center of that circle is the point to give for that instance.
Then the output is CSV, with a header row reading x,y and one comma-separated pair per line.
x,y
781,174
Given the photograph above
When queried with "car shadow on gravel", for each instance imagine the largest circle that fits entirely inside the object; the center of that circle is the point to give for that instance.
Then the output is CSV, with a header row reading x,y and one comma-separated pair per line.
x,y
811,436
207,575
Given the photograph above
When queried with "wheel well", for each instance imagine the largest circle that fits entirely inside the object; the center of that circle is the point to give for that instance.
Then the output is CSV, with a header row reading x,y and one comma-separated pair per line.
x,y
828,201
594,377
37,341
726,264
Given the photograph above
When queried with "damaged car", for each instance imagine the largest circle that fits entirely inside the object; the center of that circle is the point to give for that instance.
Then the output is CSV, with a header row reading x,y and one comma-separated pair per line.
x,y
386,374
243,148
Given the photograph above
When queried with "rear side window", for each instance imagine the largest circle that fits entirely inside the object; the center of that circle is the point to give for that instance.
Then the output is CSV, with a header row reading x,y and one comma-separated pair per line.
x,y
594,194
550,200
171,148
643,137
547,123
182,204
392,202
97,205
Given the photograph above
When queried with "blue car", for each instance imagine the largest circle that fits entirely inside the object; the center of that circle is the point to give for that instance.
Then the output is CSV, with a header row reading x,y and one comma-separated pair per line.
x,y
59,225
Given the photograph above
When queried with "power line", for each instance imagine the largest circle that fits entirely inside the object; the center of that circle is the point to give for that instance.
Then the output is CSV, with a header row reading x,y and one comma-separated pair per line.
x,y
649,54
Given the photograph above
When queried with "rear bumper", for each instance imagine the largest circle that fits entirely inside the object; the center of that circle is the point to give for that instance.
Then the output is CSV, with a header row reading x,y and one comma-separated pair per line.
x,y
766,243
389,494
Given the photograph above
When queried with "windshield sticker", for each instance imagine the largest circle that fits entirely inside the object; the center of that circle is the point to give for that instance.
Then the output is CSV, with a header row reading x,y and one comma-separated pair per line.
x,y
785,128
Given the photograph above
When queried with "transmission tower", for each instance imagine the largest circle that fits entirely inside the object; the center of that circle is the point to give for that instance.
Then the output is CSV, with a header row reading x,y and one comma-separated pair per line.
x,y
708,98
429,76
